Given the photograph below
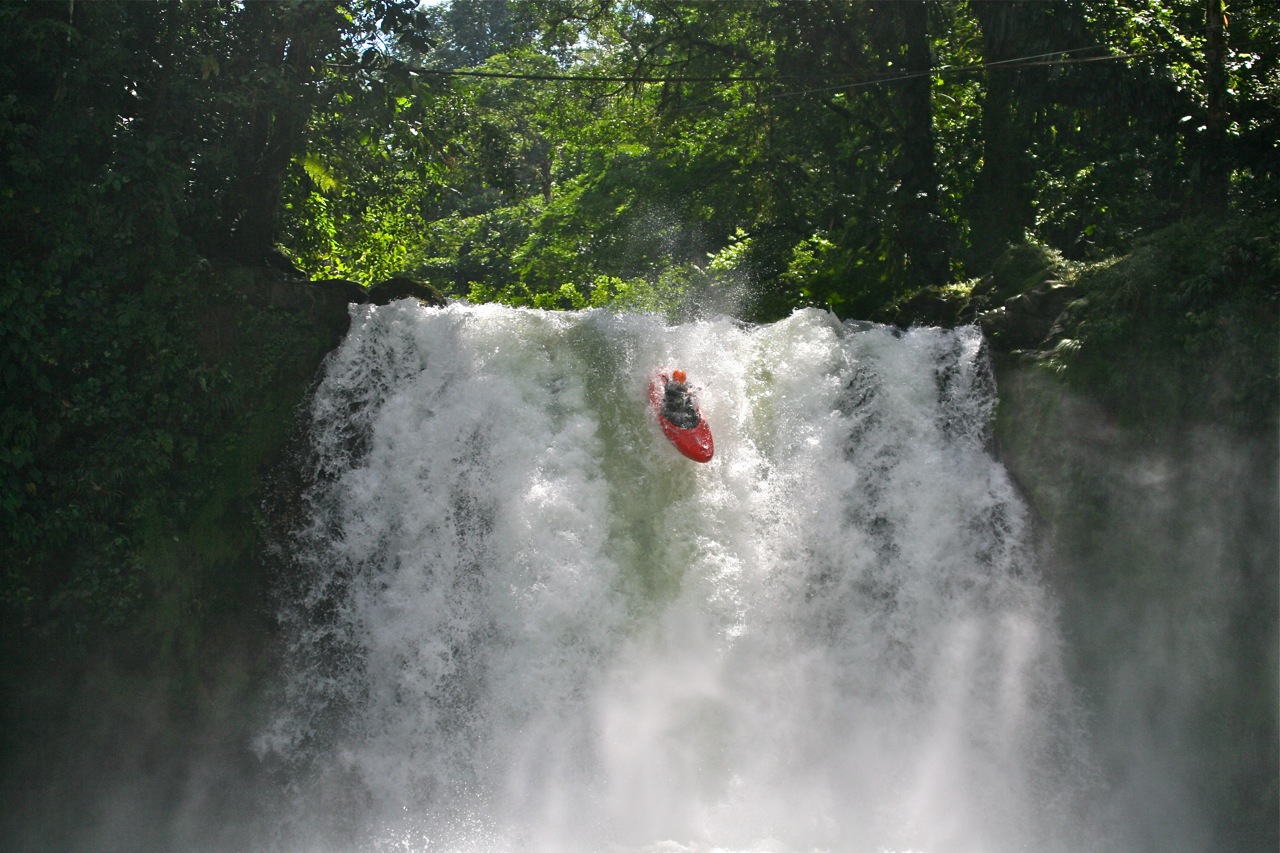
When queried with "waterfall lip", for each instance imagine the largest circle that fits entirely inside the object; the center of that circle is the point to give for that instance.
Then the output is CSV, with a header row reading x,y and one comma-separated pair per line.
x,y
516,623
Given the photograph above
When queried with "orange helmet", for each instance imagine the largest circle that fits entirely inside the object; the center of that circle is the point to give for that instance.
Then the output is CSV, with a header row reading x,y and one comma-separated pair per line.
x,y
677,375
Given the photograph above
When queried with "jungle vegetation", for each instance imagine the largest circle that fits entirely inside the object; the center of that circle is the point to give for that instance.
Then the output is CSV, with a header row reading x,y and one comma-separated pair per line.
x,y
648,154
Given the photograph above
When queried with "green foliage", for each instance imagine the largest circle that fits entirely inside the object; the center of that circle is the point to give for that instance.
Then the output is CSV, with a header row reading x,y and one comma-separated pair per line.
x,y
1183,329
783,121
134,137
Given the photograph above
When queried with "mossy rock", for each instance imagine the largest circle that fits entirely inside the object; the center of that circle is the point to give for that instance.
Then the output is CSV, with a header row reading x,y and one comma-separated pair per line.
x,y
403,287
1029,319
341,289
929,306
1021,268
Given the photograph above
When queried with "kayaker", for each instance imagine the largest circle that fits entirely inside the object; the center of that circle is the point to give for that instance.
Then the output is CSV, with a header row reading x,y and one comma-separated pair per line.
x,y
677,404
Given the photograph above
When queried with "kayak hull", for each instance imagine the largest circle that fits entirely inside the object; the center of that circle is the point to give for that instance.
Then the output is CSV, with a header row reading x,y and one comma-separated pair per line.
x,y
695,443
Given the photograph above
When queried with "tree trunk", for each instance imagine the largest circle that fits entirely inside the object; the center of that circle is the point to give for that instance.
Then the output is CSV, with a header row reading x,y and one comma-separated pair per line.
x,y
1214,172
1001,207
292,40
920,216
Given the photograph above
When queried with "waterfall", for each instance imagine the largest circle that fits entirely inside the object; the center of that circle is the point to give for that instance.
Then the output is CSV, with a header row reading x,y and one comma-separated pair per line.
x,y
518,620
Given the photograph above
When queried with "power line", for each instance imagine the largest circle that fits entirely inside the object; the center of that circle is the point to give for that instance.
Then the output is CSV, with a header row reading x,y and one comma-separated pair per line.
x,y
851,80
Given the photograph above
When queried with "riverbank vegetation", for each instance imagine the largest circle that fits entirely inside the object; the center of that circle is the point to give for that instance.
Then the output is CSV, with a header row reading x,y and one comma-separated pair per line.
x,y
162,162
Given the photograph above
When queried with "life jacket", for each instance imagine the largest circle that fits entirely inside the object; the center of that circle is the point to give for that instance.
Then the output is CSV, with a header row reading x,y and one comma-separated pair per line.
x,y
677,406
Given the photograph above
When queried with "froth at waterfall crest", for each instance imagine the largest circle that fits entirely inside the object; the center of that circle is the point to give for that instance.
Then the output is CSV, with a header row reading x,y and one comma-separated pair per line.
x,y
518,620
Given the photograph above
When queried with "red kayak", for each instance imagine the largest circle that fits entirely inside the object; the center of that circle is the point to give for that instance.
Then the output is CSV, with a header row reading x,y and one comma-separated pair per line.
x,y
679,416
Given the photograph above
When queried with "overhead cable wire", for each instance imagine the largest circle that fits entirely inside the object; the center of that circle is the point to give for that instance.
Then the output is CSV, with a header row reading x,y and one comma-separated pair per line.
x,y
851,80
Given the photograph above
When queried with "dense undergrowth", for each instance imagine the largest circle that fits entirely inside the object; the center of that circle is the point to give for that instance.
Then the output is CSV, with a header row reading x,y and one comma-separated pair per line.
x,y
137,441
1184,328
133,626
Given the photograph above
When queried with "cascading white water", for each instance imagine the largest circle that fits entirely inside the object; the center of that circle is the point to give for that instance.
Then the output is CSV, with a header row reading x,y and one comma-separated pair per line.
x,y
521,621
